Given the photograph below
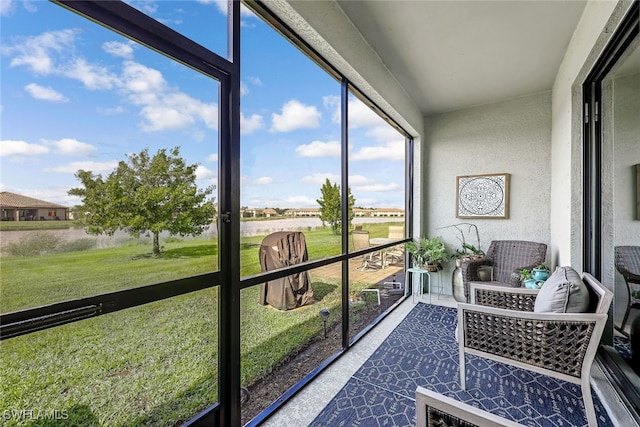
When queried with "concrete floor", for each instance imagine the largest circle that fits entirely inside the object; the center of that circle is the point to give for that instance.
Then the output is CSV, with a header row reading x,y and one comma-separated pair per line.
x,y
307,404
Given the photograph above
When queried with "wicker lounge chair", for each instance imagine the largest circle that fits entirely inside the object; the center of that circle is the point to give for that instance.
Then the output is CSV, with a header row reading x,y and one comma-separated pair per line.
x,y
505,257
628,264
436,410
500,324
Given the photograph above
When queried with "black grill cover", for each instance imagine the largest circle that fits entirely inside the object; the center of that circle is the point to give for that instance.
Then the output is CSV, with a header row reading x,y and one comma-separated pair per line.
x,y
279,250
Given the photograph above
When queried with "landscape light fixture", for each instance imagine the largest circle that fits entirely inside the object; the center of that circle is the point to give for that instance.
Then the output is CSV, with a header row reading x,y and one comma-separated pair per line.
x,y
324,314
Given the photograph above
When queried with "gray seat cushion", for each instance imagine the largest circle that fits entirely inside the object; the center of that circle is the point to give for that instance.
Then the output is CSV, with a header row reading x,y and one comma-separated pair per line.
x,y
563,292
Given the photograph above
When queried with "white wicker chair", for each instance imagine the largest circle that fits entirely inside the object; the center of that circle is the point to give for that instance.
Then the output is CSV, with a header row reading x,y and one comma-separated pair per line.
x,y
437,410
500,324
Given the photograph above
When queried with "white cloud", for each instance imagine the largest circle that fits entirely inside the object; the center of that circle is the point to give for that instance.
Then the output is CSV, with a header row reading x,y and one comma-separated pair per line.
x,y
391,151
249,125
28,6
119,49
360,180
72,147
110,111
45,93
362,116
213,157
92,76
142,80
204,173
147,6
263,180
333,102
93,167
392,186
295,115
7,7
320,178
386,134
160,118
36,52
319,149
300,201
221,5
255,81
163,107
244,89
359,114
10,147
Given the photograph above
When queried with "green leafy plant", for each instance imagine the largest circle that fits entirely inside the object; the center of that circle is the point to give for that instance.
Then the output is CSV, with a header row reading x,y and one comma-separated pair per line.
x,y
428,251
466,250
522,275
542,266
146,194
469,250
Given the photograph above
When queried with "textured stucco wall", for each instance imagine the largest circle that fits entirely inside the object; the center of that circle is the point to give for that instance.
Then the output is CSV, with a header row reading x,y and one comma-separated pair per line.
x,y
512,136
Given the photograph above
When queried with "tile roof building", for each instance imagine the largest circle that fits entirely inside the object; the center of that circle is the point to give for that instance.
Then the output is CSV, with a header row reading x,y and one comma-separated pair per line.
x,y
15,207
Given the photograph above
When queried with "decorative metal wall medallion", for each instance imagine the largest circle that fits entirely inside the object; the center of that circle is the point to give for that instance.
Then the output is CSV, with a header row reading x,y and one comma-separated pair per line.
x,y
483,196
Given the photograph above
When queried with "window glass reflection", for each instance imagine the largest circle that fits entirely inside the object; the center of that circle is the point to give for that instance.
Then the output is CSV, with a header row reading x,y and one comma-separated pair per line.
x,y
290,131
281,345
149,365
134,133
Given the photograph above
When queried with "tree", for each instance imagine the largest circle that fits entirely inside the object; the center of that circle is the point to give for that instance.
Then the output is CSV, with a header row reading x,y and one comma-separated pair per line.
x,y
145,195
330,206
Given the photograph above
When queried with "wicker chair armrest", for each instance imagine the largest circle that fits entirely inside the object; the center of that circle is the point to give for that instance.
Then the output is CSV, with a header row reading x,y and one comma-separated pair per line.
x,y
471,267
557,342
520,299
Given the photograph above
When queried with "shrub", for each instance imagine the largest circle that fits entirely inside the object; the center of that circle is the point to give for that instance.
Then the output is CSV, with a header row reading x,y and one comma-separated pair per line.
x,y
37,243
78,245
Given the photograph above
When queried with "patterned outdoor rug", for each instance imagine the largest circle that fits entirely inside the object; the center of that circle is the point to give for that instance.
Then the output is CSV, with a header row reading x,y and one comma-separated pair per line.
x,y
422,351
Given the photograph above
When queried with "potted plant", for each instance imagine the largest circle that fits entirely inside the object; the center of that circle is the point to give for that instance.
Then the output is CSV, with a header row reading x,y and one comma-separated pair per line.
x,y
540,272
467,251
428,253
525,278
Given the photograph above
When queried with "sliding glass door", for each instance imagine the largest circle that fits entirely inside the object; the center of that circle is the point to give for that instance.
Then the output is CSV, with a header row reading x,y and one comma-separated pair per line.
x,y
612,197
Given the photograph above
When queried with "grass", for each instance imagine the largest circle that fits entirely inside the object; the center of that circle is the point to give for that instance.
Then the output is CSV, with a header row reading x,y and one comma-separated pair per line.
x,y
35,225
150,365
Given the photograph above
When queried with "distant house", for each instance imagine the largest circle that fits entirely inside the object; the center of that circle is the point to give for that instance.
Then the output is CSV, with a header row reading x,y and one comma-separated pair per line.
x,y
357,212
258,212
360,212
388,212
303,212
14,207
269,212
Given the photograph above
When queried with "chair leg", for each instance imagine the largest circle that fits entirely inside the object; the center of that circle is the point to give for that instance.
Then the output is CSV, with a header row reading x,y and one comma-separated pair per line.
x,y
589,409
463,368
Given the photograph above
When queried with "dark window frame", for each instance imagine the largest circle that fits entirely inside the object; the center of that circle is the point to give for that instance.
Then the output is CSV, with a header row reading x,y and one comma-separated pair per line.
x,y
124,19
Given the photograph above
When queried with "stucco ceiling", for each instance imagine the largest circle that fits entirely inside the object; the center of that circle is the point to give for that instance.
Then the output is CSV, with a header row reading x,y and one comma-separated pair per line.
x,y
450,55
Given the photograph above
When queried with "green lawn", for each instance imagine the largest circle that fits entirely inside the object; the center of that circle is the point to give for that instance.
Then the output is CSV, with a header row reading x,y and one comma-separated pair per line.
x,y
150,365
34,225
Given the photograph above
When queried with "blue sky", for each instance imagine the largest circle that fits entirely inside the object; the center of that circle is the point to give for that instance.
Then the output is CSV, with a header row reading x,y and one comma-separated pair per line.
x,y
75,95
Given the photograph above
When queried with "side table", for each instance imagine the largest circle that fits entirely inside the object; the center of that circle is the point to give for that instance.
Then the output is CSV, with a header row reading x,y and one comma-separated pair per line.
x,y
417,289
